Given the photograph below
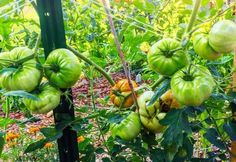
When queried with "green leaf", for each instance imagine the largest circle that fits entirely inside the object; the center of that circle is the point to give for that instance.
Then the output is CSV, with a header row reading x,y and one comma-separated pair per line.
x,y
205,2
219,3
189,2
2,142
157,155
106,159
5,121
212,136
36,145
224,60
99,150
230,129
8,70
178,122
170,152
5,2
160,91
144,5
214,70
117,118
20,93
51,134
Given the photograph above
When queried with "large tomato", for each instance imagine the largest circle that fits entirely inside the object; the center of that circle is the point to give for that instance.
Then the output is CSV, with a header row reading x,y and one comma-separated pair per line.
x,y
24,76
120,93
65,68
48,99
3,56
166,57
128,129
222,36
150,115
202,47
192,85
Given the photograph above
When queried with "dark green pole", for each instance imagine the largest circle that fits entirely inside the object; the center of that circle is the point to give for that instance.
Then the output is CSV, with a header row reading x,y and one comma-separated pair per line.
x,y
53,37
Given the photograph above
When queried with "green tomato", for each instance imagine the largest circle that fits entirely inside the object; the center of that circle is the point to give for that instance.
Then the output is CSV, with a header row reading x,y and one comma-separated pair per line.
x,y
202,47
192,85
150,115
222,36
128,129
166,57
25,76
3,56
48,99
64,68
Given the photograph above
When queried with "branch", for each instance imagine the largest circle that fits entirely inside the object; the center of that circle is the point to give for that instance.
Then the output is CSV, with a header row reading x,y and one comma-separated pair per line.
x,y
193,17
98,68
121,55
158,82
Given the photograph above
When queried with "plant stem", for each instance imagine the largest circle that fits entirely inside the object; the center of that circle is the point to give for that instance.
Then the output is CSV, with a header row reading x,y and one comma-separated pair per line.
x,y
197,5
36,47
94,110
20,61
121,55
158,82
98,68
193,17
7,111
217,129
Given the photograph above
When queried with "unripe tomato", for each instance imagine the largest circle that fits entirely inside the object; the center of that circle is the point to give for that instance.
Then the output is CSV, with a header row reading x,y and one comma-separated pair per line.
x,y
120,94
49,99
150,115
222,36
166,57
65,68
128,129
202,47
3,56
25,76
193,86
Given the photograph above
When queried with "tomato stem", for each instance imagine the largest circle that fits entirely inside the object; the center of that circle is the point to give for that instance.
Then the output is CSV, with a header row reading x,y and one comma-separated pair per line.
x,y
188,76
97,67
27,58
158,82
193,17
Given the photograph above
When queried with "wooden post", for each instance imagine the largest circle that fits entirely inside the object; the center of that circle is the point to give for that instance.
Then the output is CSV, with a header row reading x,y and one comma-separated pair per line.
x,y
53,37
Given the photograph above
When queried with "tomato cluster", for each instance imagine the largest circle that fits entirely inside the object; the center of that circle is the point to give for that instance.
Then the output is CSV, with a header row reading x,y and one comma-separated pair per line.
x,y
21,71
148,116
211,43
191,84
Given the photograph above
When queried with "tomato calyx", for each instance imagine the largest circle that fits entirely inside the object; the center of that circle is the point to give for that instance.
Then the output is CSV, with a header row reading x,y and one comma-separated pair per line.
x,y
188,76
117,92
55,68
168,54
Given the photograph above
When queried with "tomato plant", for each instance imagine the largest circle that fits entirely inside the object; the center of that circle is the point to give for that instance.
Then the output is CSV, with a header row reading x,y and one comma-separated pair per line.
x,y
179,55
